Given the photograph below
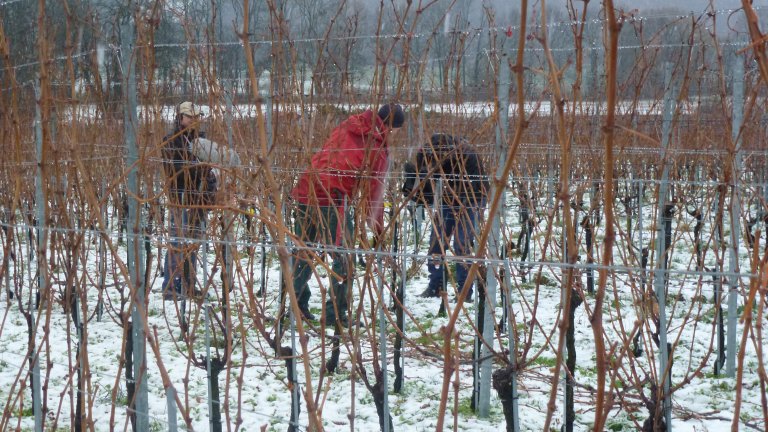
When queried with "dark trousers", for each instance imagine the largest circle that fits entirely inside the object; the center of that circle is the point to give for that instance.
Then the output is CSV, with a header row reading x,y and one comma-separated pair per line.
x,y
320,229
457,222
185,231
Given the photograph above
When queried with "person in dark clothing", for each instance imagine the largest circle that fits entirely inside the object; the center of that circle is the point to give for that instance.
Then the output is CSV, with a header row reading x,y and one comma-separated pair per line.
x,y
191,186
463,187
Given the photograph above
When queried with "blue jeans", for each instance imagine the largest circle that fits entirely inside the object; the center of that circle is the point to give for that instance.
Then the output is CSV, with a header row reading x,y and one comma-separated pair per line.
x,y
457,222
181,255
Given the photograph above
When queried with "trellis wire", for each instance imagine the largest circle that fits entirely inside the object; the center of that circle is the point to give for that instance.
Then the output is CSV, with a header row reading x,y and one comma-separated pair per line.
x,y
136,236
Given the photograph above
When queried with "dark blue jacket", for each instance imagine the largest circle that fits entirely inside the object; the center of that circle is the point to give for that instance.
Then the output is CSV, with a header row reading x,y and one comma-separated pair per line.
x,y
190,183
452,160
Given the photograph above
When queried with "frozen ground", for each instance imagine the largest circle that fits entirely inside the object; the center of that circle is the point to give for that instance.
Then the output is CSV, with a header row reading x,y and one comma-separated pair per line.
x,y
702,403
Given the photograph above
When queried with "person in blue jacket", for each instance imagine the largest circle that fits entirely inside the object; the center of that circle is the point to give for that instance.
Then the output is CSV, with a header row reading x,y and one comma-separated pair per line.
x,y
463,191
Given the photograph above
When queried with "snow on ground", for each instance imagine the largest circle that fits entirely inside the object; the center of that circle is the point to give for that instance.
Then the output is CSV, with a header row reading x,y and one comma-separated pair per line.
x,y
704,403
468,109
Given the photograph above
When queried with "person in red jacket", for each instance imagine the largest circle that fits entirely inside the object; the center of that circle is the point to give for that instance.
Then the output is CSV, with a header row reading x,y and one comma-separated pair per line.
x,y
348,170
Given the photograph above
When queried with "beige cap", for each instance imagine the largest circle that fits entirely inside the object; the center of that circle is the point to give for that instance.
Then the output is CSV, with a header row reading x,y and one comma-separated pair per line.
x,y
190,109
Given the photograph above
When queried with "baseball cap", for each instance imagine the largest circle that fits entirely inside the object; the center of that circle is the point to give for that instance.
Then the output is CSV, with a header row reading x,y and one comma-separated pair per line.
x,y
190,109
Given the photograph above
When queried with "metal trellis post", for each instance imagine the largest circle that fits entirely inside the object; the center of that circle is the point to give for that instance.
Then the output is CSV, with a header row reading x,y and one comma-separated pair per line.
x,y
661,273
639,229
717,281
733,266
383,345
228,221
102,253
135,249
211,423
42,277
267,95
293,424
437,224
170,395
398,359
493,244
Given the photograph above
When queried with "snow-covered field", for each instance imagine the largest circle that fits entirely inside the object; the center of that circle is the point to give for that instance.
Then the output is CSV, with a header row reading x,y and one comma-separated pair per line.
x,y
468,109
703,402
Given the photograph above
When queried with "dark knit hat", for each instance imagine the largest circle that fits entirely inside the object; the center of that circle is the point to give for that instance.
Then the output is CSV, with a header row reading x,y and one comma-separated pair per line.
x,y
392,115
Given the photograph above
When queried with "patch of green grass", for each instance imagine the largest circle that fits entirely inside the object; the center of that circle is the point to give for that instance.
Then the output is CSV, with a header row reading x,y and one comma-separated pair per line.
x,y
341,374
427,321
220,343
740,311
366,399
619,425
699,299
465,408
58,429
542,279
545,361
708,317
429,339
407,420
723,386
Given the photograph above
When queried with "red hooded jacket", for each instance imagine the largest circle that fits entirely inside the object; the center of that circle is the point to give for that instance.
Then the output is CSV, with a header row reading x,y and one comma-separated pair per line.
x,y
353,159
